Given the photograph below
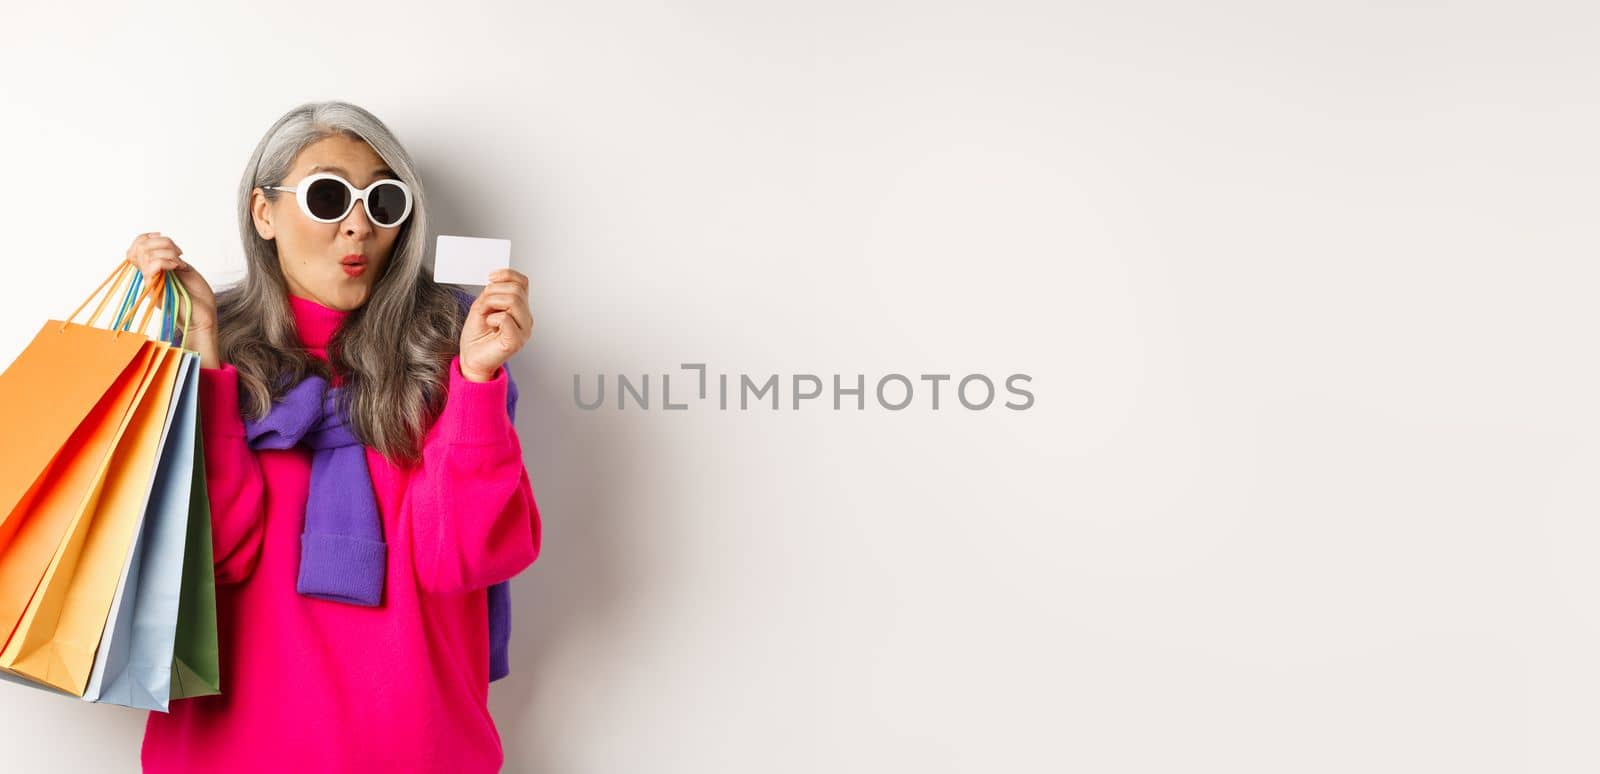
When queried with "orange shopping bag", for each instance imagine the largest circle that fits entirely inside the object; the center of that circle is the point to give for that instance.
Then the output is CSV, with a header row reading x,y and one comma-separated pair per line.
x,y
41,521
50,388
47,531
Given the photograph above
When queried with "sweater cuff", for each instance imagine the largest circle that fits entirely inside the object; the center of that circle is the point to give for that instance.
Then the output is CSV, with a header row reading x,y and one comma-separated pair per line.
x,y
475,412
219,402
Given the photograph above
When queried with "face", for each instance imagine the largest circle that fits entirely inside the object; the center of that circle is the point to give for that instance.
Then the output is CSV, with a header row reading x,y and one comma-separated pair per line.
x,y
313,255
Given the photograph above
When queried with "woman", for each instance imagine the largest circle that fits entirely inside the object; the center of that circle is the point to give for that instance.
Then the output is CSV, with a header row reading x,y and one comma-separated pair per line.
x,y
367,490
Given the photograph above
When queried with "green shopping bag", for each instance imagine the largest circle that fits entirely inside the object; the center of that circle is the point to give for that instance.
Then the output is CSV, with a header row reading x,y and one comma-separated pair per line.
x,y
195,670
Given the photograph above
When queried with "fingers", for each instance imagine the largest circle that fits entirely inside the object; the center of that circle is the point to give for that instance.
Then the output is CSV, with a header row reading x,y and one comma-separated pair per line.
x,y
497,306
507,290
508,275
152,265
139,242
504,306
497,301
513,325
506,318
152,252
511,335
507,286
518,313
506,280
154,241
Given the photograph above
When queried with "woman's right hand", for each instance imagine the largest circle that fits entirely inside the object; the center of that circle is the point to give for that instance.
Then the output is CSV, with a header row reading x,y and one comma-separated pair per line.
x,y
153,253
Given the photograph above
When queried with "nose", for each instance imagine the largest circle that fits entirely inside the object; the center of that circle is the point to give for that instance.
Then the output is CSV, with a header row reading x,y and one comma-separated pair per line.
x,y
356,225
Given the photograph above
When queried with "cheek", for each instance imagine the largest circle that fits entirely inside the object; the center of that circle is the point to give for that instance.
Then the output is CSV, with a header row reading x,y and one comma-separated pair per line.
x,y
386,243
305,233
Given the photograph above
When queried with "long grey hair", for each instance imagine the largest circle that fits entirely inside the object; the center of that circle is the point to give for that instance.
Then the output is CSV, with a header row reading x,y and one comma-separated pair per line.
x,y
392,352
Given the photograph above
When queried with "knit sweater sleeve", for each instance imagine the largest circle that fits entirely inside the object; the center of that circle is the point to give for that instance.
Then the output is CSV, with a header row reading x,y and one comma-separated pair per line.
x,y
474,521
234,483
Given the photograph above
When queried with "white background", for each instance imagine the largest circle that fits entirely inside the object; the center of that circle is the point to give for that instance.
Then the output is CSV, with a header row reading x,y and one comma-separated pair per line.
x,y
1305,289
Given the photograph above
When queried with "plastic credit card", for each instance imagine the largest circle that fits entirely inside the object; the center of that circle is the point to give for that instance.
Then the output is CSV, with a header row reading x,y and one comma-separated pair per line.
x,y
459,260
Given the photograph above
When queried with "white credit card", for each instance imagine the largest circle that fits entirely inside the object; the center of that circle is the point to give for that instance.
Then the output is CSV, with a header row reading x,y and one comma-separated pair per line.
x,y
459,260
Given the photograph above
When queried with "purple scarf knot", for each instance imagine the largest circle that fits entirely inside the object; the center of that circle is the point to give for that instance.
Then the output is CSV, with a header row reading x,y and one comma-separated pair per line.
x,y
342,551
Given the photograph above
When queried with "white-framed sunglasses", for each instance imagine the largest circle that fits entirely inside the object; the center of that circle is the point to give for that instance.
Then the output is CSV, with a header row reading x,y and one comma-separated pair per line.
x,y
328,198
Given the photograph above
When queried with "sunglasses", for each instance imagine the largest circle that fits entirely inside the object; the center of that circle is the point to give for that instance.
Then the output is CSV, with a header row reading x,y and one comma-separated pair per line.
x,y
328,198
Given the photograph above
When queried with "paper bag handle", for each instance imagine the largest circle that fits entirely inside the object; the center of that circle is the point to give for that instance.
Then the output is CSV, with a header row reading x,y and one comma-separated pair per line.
x,y
119,274
177,297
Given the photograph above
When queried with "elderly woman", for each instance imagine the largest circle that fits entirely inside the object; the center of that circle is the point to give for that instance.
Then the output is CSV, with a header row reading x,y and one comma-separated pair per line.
x,y
368,497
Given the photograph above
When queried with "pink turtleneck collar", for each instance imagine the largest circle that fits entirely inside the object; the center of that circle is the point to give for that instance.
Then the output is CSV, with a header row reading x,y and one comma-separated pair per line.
x,y
315,323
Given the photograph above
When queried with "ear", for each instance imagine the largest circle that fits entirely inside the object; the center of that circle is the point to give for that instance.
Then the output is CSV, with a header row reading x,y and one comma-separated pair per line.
x,y
261,214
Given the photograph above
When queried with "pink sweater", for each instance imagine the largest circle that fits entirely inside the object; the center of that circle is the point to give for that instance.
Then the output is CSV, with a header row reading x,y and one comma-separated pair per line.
x,y
316,686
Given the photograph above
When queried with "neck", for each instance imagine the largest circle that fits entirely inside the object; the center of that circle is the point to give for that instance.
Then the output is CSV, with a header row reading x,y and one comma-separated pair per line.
x,y
315,323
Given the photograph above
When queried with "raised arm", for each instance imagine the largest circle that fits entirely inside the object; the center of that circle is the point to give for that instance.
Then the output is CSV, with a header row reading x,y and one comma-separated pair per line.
x,y
474,521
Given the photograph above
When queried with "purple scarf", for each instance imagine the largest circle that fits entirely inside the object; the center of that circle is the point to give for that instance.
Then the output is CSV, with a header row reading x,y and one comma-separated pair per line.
x,y
342,552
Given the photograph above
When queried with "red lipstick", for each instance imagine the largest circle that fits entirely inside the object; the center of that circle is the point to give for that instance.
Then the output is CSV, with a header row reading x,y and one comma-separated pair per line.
x,y
354,264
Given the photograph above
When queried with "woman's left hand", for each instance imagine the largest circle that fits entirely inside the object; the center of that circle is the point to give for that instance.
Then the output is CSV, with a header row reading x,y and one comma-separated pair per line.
x,y
497,325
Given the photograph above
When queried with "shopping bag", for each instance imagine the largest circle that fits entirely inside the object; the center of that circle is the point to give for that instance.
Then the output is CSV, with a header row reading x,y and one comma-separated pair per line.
x,y
60,629
64,493
56,640
49,389
196,670
33,527
133,666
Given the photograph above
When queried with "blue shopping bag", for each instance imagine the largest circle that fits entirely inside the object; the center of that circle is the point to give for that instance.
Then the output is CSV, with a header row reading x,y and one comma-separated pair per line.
x,y
133,666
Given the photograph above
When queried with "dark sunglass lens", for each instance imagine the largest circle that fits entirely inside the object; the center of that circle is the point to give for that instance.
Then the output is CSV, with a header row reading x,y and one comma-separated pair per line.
x,y
386,204
327,199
